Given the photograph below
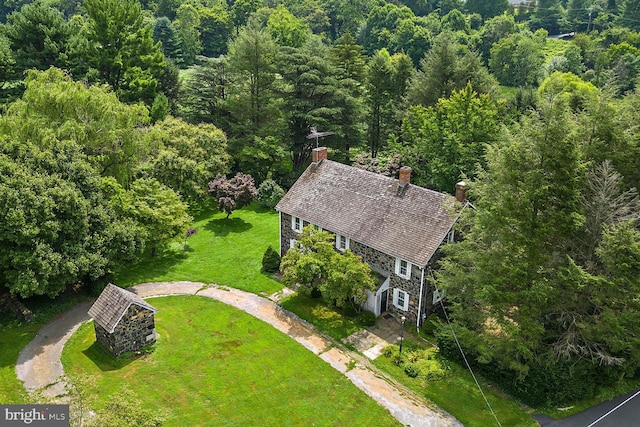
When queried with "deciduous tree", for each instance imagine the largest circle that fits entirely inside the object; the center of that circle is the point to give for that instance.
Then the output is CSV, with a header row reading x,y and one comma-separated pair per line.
x,y
234,193
342,278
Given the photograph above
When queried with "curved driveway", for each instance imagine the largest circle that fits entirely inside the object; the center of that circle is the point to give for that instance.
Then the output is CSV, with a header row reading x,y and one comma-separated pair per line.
x,y
39,364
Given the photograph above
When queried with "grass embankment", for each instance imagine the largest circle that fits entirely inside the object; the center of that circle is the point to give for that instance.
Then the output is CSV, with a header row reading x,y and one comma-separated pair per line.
x,y
458,394
318,312
223,251
216,365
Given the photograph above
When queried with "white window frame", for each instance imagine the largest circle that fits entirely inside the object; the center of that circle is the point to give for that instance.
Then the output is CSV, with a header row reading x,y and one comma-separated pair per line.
x,y
401,299
296,224
399,267
292,243
339,245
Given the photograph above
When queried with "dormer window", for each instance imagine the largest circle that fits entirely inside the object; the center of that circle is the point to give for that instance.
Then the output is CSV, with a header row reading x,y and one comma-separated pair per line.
x,y
403,268
296,224
342,242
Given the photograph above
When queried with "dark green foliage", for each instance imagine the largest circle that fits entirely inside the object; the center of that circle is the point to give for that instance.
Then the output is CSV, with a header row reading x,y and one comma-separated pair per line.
x,y
387,79
430,326
517,59
215,30
411,369
448,66
629,14
446,143
312,95
165,33
271,260
269,193
122,49
366,318
159,108
38,35
203,92
487,9
536,306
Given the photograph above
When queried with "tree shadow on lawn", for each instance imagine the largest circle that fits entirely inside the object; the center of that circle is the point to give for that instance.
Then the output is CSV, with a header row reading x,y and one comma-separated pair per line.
x,y
222,226
149,267
105,361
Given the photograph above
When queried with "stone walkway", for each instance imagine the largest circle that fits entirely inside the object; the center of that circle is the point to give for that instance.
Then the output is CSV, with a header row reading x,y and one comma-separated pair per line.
x,y
39,364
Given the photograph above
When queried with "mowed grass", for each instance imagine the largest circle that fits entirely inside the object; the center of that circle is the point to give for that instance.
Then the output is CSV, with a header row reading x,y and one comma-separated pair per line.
x,y
223,251
216,365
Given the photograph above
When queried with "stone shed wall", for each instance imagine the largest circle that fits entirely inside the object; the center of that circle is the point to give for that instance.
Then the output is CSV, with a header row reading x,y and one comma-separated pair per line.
x,y
135,330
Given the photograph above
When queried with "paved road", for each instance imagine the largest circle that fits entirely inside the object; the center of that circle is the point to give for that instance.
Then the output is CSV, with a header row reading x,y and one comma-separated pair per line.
x,y
39,362
622,411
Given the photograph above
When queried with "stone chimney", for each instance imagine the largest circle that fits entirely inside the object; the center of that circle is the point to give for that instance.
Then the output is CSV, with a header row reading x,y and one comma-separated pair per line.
x,y
319,154
405,176
461,191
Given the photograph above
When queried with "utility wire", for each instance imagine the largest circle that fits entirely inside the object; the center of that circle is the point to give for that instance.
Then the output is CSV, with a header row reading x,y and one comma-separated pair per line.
x,y
469,366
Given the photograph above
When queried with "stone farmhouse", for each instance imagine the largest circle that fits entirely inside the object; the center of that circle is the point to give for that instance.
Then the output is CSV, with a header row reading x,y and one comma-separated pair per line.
x,y
123,321
395,226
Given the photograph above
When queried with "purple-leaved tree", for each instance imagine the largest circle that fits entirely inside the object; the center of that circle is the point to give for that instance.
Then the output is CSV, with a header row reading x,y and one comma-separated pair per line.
x,y
233,193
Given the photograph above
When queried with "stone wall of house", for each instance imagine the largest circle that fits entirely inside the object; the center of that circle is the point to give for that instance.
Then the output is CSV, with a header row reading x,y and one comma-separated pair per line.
x,y
286,233
135,330
382,263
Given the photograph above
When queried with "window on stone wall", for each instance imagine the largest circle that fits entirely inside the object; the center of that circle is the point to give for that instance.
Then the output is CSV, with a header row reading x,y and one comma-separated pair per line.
x,y
401,299
292,243
296,224
342,242
403,268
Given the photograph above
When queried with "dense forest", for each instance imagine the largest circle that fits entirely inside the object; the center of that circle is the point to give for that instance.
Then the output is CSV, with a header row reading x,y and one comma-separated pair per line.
x,y
116,115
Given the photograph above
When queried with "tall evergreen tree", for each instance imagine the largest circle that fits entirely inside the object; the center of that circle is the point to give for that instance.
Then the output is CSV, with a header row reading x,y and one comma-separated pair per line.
x,y
310,91
165,33
448,66
630,14
123,50
38,36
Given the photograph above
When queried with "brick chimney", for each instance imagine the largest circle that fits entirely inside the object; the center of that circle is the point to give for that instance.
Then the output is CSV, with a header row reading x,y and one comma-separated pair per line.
x,y
461,191
319,154
405,176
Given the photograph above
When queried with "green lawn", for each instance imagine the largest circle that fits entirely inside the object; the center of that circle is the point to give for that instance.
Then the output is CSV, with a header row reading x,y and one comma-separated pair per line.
x,y
223,251
216,365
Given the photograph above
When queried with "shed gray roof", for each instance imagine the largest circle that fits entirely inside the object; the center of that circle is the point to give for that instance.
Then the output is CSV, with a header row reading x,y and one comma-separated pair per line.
x,y
366,207
112,304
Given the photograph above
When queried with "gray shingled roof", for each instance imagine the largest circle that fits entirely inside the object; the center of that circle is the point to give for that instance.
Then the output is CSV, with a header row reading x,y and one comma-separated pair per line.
x,y
365,207
112,304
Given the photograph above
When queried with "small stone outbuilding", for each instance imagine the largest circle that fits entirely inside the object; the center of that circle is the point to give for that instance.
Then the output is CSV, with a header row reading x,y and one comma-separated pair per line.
x,y
123,321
